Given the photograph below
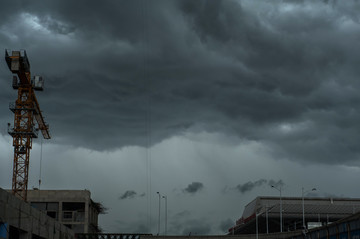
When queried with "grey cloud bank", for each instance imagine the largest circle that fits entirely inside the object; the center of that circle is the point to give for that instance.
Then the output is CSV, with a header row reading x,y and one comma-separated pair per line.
x,y
283,73
193,187
248,186
128,194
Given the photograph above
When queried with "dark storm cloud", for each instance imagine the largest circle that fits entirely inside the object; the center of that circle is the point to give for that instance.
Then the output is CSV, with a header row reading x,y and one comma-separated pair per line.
x,y
246,187
118,73
193,188
249,186
128,194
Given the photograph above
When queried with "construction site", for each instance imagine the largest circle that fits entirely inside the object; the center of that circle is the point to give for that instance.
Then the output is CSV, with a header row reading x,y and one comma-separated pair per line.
x,y
33,213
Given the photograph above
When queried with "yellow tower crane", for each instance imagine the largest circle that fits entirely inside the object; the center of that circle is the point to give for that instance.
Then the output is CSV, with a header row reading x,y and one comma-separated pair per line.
x,y
26,109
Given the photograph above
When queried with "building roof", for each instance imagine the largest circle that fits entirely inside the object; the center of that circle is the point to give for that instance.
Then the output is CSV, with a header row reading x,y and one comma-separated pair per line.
x,y
315,209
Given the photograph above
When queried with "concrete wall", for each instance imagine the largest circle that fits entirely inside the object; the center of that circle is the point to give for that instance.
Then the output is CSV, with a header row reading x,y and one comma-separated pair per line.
x,y
25,222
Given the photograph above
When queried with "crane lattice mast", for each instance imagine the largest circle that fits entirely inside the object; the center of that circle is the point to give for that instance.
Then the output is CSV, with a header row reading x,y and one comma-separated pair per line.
x,y
27,113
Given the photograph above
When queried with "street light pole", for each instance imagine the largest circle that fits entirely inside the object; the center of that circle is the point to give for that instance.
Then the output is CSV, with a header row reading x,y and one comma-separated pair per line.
x,y
165,197
267,220
303,204
281,219
279,189
159,214
257,226
303,207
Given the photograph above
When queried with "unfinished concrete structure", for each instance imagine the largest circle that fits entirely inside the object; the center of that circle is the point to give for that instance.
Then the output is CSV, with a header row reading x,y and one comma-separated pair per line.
x,y
18,220
73,208
297,213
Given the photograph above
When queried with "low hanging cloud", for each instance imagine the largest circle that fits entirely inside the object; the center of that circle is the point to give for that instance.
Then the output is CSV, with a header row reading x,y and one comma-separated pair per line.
x,y
249,186
130,194
193,188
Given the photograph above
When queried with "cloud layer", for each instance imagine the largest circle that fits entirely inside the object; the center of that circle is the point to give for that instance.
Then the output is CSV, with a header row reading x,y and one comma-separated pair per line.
x,y
284,74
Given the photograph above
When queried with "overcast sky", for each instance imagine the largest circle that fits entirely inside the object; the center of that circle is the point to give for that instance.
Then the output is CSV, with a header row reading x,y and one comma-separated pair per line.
x,y
207,102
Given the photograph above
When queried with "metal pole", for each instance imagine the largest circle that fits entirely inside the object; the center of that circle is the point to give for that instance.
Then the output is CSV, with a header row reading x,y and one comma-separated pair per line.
x,y
327,219
303,203
281,223
279,189
267,221
303,208
159,215
257,230
165,197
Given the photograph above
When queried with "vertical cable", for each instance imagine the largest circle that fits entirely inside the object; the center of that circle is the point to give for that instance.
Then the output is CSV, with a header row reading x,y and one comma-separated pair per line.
x,y
148,114
41,144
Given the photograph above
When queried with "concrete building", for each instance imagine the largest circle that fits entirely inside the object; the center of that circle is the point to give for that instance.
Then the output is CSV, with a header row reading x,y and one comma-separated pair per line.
x,y
18,220
265,212
73,208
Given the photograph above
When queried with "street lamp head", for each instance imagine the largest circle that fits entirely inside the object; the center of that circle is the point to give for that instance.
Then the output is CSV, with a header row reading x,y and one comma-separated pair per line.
x,y
158,193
